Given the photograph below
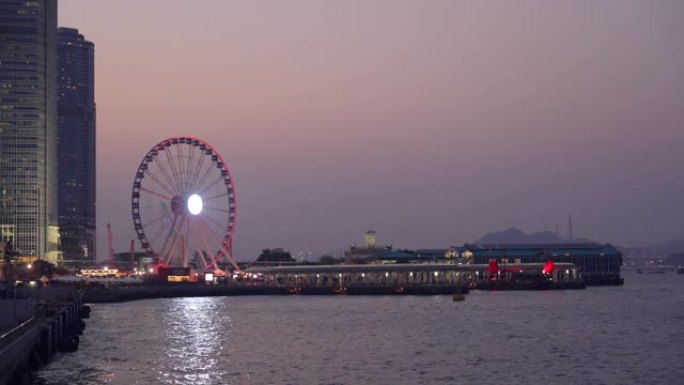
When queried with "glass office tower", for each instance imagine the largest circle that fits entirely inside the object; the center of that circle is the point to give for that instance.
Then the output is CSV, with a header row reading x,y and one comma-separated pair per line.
x,y
28,128
76,144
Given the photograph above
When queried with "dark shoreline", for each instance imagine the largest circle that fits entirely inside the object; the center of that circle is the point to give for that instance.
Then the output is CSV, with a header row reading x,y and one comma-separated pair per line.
x,y
152,291
178,290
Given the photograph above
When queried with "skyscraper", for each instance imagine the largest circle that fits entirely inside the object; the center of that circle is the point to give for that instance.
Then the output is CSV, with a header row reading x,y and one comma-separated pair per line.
x,y
76,144
28,127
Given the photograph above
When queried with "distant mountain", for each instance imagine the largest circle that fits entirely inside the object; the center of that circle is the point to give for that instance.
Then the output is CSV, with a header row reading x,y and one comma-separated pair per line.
x,y
663,250
676,259
671,247
516,236
511,235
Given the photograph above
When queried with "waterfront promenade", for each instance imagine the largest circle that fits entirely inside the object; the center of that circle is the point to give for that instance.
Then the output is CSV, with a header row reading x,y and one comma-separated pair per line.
x,y
34,325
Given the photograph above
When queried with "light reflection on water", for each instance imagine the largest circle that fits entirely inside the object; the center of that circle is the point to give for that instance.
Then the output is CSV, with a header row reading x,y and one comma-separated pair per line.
x,y
195,340
612,335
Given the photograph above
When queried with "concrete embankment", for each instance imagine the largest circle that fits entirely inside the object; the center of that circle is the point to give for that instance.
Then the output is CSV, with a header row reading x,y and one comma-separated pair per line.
x,y
149,291
35,325
534,285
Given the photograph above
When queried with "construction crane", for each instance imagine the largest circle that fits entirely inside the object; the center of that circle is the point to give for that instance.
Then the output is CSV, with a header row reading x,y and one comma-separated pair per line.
x,y
111,241
132,251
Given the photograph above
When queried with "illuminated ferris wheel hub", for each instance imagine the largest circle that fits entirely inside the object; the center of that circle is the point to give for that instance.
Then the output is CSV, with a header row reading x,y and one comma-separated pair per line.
x,y
181,205
195,204
184,204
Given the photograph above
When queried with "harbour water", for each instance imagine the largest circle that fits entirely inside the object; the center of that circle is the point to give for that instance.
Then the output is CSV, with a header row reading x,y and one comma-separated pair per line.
x,y
632,334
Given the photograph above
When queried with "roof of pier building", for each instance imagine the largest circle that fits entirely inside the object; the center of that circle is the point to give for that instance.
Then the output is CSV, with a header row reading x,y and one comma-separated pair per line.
x,y
385,255
547,250
403,256
400,267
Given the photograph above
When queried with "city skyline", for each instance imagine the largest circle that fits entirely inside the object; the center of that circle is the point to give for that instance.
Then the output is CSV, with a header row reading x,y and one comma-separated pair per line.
x,y
435,123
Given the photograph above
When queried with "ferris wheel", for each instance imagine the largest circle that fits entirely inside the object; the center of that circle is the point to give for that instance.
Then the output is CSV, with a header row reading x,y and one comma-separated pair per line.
x,y
184,204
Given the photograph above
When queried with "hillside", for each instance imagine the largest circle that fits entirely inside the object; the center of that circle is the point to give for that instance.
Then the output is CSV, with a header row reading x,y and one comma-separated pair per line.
x,y
516,236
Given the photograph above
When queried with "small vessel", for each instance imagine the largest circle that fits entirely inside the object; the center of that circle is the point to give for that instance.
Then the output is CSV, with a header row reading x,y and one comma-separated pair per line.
x,y
680,270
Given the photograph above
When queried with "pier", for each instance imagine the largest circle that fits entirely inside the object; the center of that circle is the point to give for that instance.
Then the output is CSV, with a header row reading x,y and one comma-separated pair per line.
x,y
366,279
360,279
416,279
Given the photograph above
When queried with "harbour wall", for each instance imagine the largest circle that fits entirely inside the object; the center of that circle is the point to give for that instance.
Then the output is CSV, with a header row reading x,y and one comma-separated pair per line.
x,y
49,321
171,290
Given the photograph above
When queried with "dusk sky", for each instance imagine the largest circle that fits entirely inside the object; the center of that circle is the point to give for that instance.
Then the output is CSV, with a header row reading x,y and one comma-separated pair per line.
x,y
434,122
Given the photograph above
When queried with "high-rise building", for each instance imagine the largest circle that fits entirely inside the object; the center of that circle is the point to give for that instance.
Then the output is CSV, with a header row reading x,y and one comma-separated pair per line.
x,y
76,144
28,127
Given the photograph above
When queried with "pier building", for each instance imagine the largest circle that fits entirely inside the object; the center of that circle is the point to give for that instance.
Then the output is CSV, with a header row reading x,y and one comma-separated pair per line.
x,y
440,278
598,264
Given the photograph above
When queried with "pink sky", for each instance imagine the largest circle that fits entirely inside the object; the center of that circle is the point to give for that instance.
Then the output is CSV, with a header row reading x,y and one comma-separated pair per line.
x,y
432,121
